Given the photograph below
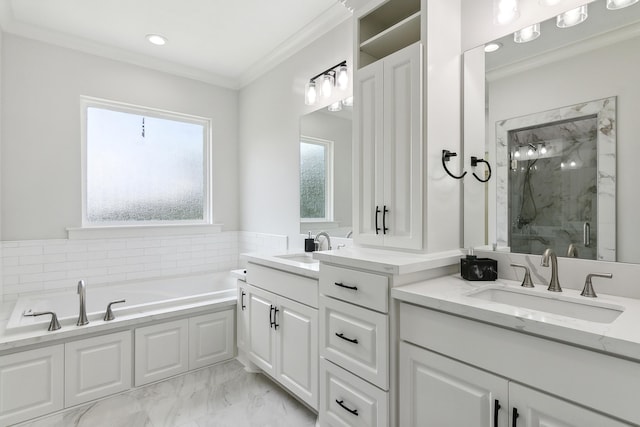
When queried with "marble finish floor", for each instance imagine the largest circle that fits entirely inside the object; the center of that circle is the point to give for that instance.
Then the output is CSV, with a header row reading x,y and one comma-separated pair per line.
x,y
221,395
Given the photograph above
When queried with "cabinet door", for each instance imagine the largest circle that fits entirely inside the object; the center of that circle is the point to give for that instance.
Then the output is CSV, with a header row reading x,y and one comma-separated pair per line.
x,y
161,351
31,384
297,349
403,148
437,391
210,338
536,409
367,154
262,347
242,318
97,367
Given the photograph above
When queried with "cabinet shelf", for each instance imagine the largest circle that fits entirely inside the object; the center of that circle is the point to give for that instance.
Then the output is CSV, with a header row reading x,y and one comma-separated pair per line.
x,y
394,38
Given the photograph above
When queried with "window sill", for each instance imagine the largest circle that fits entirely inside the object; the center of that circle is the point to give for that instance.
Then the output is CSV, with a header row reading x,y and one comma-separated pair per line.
x,y
120,231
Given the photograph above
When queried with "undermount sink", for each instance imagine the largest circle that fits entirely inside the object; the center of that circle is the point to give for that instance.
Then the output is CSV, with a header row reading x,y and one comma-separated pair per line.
x,y
556,304
305,258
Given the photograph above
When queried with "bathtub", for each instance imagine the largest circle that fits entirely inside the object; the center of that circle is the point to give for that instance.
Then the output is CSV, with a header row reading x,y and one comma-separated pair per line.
x,y
149,296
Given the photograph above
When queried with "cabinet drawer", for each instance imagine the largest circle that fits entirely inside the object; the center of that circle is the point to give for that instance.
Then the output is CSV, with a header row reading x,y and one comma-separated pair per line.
x,y
356,339
346,400
297,288
371,290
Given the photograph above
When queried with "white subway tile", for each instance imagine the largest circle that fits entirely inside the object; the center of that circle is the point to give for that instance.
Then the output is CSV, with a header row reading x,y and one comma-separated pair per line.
x,y
10,260
164,250
125,253
106,245
42,277
143,243
104,262
10,279
65,266
22,269
85,273
21,251
125,268
144,259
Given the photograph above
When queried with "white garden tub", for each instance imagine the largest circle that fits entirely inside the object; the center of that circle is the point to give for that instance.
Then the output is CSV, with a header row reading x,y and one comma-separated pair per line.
x,y
145,296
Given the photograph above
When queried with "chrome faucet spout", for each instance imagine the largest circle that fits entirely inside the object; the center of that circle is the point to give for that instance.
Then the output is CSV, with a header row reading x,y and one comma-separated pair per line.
x,y
554,283
326,236
82,317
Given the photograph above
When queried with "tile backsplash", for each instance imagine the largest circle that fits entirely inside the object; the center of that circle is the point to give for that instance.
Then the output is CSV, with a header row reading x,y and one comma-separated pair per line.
x,y
57,264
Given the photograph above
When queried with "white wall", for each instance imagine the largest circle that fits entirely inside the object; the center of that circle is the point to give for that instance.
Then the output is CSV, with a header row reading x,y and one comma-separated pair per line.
x,y
601,73
40,169
270,109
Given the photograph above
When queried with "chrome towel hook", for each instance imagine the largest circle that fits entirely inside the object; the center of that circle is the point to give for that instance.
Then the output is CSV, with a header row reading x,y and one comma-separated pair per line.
x,y
474,163
446,155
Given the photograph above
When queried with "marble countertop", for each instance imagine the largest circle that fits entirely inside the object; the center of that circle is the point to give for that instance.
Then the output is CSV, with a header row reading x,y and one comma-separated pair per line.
x,y
287,262
389,262
452,294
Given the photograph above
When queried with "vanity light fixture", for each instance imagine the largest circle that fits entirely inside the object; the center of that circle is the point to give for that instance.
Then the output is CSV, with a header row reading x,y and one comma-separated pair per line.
x,y
505,11
517,153
156,39
619,4
492,47
572,17
543,149
326,81
310,93
527,34
336,106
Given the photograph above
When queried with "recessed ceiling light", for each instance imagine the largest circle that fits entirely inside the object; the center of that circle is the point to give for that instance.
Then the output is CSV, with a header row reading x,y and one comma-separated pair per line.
x,y
156,39
492,47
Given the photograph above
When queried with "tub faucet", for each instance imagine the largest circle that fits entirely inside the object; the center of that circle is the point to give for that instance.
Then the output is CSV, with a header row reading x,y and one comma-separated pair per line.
x,y
554,283
82,317
326,236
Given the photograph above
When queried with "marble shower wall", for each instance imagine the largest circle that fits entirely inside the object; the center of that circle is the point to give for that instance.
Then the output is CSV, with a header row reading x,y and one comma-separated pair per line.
x,y
533,209
553,194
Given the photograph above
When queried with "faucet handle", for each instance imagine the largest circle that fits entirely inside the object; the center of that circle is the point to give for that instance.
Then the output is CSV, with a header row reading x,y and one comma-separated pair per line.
x,y
526,281
108,315
588,291
54,325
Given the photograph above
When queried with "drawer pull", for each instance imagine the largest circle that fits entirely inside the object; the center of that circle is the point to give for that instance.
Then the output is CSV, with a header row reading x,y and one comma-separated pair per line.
x,y
342,285
514,420
271,321
341,335
342,405
496,409
275,318
242,300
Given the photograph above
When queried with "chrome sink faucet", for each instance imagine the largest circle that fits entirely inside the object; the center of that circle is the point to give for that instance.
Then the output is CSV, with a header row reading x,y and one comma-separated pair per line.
x,y
82,317
554,283
326,236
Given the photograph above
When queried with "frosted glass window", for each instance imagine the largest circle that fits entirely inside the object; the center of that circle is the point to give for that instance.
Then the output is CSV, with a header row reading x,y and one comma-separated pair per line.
x,y
144,168
315,180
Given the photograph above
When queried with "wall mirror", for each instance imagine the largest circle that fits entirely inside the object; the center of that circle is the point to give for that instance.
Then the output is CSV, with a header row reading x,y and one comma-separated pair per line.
x,y
557,116
325,170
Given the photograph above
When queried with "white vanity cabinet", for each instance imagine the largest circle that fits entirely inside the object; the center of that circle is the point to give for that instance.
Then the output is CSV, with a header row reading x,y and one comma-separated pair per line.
x,y
97,367
483,375
388,141
282,335
31,384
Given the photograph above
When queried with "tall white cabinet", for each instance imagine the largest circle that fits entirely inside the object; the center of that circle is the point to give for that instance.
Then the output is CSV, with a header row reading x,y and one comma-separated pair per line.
x,y
388,146
406,111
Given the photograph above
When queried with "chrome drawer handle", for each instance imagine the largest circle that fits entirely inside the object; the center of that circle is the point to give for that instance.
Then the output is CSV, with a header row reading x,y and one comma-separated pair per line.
x,y
342,285
351,411
341,335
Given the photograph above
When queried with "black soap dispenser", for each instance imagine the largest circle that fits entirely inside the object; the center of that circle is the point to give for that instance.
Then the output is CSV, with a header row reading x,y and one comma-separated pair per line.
x,y
309,244
478,269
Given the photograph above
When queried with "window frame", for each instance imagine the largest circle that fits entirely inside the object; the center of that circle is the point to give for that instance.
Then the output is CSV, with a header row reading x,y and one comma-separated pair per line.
x,y
329,192
87,102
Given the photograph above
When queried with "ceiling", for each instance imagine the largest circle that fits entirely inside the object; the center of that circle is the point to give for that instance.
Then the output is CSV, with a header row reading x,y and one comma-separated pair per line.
x,y
228,43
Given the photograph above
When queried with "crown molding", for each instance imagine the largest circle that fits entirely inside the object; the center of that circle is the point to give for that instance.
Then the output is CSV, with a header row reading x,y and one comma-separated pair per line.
x,y
329,19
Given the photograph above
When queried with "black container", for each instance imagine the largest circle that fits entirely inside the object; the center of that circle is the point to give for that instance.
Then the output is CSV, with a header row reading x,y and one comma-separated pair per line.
x,y
309,245
478,269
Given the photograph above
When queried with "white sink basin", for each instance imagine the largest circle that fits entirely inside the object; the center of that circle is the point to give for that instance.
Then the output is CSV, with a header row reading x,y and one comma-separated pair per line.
x,y
304,258
590,310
